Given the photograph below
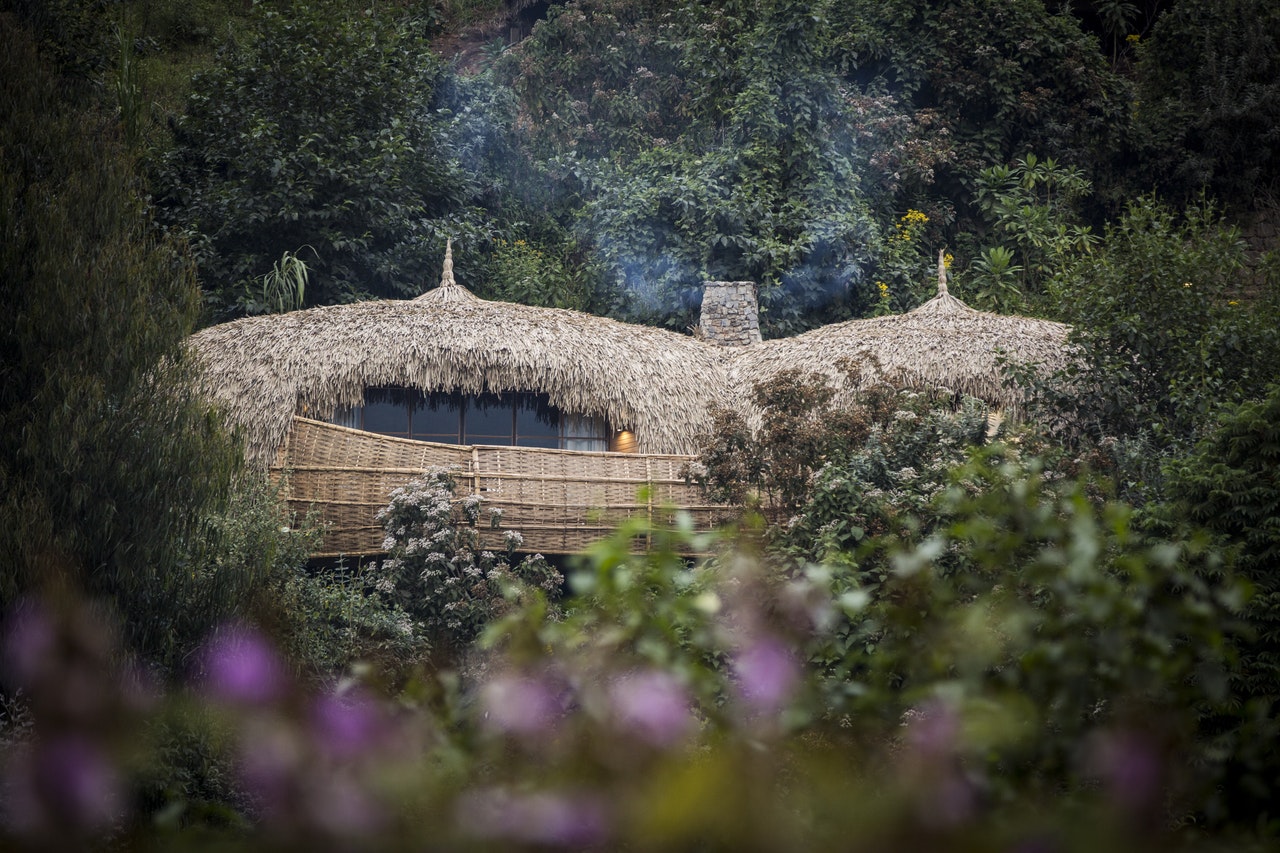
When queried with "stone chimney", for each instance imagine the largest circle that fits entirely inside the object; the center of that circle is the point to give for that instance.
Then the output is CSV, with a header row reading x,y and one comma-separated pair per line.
x,y
730,314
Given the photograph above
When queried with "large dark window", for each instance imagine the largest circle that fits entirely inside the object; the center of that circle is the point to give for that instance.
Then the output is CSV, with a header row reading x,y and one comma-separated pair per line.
x,y
526,420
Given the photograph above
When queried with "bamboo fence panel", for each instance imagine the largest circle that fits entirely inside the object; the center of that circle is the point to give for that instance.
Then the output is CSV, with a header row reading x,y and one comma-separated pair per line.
x,y
560,501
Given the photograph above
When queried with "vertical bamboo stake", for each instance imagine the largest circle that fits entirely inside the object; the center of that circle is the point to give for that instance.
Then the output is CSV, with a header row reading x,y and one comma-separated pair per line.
x,y
648,479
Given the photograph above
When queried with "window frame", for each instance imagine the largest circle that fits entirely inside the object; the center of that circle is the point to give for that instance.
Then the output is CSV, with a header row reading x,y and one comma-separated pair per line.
x,y
568,432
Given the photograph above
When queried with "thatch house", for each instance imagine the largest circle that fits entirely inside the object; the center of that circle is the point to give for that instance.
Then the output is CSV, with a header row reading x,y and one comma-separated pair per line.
x,y
558,418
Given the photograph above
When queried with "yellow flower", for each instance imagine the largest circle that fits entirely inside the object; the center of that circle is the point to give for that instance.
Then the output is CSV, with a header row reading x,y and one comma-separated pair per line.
x,y
1133,38
521,243
1233,302
1186,284
947,259
884,289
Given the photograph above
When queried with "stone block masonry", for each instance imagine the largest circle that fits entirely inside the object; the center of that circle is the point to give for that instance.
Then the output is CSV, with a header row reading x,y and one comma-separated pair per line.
x,y
730,313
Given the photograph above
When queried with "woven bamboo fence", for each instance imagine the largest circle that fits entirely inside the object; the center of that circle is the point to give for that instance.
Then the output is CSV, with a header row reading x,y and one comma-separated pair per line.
x,y
560,501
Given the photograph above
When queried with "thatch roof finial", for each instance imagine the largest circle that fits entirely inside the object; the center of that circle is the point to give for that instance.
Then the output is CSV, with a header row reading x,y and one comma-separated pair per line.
x,y
449,289
942,272
446,277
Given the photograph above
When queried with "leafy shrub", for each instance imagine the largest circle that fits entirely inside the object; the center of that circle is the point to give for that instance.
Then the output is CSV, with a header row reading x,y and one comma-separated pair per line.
x,y
801,427
111,461
903,270
1031,204
531,275
1037,615
881,486
333,620
435,570
1161,335
1228,484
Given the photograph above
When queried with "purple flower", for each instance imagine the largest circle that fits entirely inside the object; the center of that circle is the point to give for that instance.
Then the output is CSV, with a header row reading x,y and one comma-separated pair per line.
x,y
64,785
346,726
271,761
948,799
933,731
342,807
555,819
520,705
241,667
29,642
767,673
653,706
1130,768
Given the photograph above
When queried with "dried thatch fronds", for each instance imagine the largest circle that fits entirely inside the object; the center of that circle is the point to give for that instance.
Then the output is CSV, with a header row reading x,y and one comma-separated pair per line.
x,y
658,384
264,369
941,344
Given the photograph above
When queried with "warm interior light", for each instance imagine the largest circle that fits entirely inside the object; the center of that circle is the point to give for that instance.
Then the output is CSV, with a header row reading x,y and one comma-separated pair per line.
x,y
623,441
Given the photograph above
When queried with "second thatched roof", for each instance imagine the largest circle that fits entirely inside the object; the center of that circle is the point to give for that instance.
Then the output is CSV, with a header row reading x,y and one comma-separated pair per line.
x,y
264,369
941,344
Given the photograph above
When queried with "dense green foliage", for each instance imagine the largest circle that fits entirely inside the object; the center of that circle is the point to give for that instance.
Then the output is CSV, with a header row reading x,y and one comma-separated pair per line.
x,y
1229,485
1163,338
996,79
110,463
1209,101
436,574
326,130
708,142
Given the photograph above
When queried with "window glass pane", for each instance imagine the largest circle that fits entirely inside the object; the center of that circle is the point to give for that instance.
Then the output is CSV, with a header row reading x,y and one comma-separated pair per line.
x,y
347,417
386,411
584,433
597,444
548,441
438,417
488,420
536,419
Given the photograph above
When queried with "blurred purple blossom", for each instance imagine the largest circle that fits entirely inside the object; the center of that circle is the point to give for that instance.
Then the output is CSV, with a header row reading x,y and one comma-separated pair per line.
x,y
652,705
557,819
521,705
242,667
933,731
767,674
30,638
271,760
945,794
342,806
347,726
66,785
949,798
1129,765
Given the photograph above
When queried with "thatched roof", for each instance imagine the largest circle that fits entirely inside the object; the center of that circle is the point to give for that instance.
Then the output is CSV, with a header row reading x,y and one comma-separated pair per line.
x,y
659,384
943,343
263,369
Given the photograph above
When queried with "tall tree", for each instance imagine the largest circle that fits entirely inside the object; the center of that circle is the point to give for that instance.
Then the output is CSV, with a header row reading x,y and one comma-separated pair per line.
x,y
1209,101
708,142
330,129
108,462
1000,79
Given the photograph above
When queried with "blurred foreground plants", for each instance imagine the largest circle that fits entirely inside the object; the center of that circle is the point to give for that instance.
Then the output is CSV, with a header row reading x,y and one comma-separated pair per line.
x,y
1029,671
